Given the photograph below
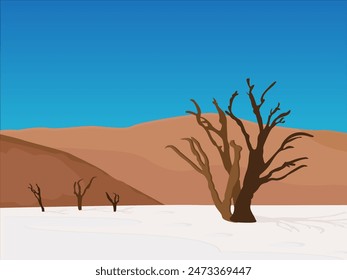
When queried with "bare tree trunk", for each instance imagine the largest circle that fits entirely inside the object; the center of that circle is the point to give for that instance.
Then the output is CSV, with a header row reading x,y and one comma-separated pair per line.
x,y
225,211
79,202
242,209
113,200
251,183
224,207
41,205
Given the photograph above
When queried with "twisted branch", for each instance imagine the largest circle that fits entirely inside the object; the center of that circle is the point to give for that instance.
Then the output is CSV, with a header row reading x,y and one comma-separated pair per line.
x,y
255,106
113,200
211,131
204,164
284,146
286,164
80,193
238,121
183,156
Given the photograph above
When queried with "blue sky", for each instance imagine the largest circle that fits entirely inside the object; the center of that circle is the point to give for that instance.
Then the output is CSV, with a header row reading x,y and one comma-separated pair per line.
x,y
119,63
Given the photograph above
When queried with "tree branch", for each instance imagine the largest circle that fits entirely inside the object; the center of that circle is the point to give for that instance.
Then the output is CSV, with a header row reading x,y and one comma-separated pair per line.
x,y
32,189
238,121
183,156
38,189
284,176
272,113
234,175
222,133
108,197
284,146
269,176
198,152
279,119
36,193
74,188
79,187
255,106
262,98
202,152
115,200
116,197
203,122
88,186
195,152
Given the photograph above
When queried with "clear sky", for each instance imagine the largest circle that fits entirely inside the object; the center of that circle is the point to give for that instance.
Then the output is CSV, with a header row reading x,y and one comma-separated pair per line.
x,y
119,63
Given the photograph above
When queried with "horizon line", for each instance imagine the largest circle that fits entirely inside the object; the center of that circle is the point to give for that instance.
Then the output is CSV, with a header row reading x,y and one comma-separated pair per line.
x,y
154,121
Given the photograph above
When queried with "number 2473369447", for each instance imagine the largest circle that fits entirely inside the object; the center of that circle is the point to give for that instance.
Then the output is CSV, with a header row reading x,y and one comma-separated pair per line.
x,y
215,270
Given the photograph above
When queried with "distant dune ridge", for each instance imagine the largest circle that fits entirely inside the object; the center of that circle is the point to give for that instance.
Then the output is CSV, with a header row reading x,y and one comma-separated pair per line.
x,y
137,157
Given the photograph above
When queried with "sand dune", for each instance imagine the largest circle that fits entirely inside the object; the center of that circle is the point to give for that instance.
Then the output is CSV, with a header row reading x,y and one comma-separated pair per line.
x,y
137,156
55,172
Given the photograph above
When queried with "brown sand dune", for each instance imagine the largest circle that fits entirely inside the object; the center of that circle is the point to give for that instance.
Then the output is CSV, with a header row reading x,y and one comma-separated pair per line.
x,y
137,156
55,172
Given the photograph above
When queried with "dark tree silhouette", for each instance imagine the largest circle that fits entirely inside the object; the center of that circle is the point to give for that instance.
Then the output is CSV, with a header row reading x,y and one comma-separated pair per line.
x,y
229,157
37,194
259,170
113,200
79,193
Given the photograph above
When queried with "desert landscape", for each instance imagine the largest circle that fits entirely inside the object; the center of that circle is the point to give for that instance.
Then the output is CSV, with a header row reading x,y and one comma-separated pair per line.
x,y
165,209
134,162
136,133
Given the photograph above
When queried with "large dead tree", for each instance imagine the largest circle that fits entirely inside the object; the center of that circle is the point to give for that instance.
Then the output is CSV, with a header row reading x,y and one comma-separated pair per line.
x,y
260,170
37,194
79,193
230,154
113,200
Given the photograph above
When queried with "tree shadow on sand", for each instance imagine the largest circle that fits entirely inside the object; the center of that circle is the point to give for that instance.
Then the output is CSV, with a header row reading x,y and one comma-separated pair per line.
x,y
317,223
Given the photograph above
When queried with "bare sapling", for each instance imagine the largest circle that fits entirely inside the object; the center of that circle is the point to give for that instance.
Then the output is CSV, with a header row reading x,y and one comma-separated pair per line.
x,y
37,194
113,200
79,193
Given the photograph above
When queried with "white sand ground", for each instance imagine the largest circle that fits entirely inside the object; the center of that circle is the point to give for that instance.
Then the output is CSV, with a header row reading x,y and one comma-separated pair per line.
x,y
173,232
